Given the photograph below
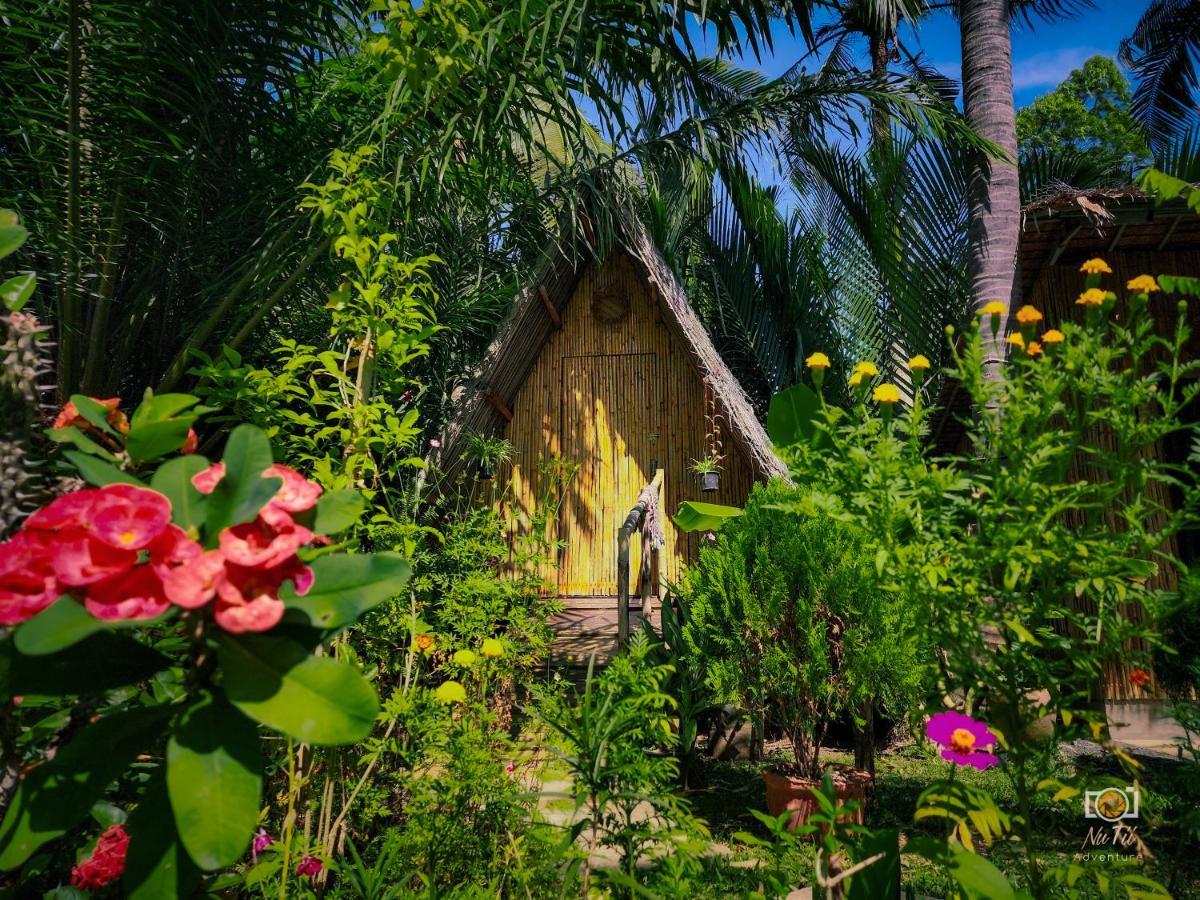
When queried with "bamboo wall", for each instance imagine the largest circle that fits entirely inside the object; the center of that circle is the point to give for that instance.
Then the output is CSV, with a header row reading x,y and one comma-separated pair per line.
x,y
1054,292
612,391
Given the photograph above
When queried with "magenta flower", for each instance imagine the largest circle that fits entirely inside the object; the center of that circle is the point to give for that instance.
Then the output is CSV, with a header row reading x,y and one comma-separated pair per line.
x,y
961,738
262,841
310,867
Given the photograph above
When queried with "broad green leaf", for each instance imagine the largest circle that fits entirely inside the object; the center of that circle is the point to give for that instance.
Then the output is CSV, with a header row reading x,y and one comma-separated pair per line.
x,y
56,795
98,472
978,877
337,511
72,435
347,585
315,699
792,417
63,623
94,413
154,439
1180,284
156,865
98,663
16,291
696,516
161,408
214,780
174,481
12,235
243,491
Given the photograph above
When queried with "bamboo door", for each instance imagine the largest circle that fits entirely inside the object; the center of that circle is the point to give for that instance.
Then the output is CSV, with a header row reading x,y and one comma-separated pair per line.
x,y
613,419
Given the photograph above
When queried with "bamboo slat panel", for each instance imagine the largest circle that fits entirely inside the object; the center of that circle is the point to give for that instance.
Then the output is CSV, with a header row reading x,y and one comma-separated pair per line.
x,y
613,391
1054,292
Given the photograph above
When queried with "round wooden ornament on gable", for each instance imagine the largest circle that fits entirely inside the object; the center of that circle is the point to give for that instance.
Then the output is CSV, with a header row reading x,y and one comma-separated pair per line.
x,y
610,304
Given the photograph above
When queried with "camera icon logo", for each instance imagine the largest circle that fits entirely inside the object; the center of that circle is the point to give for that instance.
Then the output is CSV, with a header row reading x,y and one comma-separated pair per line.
x,y
1111,804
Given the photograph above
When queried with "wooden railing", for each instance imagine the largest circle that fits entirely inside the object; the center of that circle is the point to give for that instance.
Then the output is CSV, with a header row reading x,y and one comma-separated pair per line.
x,y
650,495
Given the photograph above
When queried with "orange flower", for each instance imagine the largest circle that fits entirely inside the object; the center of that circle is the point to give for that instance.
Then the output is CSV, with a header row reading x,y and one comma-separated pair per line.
x,y
995,308
1034,348
1143,284
1092,297
423,643
1016,340
1053,336
1139,678
69,415
1027,315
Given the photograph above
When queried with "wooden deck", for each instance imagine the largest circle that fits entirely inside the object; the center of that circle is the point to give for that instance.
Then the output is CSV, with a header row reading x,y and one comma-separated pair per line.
x,y
589,625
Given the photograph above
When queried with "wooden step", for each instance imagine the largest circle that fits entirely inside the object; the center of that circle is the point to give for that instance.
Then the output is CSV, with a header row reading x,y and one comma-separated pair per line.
x,y
580,631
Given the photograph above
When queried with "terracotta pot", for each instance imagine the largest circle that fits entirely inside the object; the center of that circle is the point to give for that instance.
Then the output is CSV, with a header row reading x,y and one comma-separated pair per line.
x,y
710,481
787,792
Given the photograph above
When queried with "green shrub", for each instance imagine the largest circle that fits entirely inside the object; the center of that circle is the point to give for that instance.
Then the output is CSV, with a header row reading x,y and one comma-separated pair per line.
x,y
788,619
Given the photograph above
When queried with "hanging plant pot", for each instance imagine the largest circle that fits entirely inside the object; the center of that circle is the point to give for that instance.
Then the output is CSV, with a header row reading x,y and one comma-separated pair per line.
x,y
710,481
786,791
486,473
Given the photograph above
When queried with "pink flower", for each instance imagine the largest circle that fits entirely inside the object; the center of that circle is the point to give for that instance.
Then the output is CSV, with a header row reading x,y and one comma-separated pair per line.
x,y
27,580
82,561
248,598
69,415
128,517
267,541
190,443
961,738
261,842
205,482
135,594
194,583
297,493
107,862
310,867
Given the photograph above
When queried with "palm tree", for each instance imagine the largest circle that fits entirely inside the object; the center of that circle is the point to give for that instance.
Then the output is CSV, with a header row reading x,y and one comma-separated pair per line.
x,y
994,190
1162,53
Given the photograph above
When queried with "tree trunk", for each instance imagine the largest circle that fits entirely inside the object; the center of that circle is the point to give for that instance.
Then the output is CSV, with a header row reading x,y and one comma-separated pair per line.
x,y
880,45
864,738
994,191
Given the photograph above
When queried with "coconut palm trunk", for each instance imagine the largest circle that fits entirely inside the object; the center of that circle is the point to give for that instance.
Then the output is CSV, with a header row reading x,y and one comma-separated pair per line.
x,y
994,190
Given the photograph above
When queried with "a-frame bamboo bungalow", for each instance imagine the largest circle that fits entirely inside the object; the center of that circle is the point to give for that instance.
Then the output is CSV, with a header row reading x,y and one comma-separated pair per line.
x,y
606,363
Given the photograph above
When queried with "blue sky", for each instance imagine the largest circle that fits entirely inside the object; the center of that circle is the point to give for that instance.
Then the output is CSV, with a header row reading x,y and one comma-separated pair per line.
x,y
1043,53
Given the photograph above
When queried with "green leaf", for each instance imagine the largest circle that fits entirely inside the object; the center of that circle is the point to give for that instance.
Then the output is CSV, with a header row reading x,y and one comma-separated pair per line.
x,y
792,417
56,795
63,623
156,865
337,511
94,413
882,877
243,491
72,435
978,877
161,408
16,291
98,663
315,699
97,472
214,779
174,481
1180,284
12,235
157,439
696,516
345,586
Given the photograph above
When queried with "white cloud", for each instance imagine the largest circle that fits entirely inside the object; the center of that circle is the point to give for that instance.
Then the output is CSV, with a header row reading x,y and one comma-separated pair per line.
x,y
1049,68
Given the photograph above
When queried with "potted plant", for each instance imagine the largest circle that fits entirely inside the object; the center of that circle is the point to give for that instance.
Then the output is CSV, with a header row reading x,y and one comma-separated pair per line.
x,y
709,470
489,452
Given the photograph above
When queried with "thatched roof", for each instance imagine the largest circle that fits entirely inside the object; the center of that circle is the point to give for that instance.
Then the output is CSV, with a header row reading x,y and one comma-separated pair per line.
x,y
495,383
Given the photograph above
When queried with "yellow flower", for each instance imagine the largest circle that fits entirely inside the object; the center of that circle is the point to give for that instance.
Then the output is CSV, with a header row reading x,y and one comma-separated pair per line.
x,y
866,368
817,361
1143,284
1095,267
464,658
919,363
1053,336
886,393
995,308
1092,297
856,379
450,692
1016,340
492,648
1027,315
1034,348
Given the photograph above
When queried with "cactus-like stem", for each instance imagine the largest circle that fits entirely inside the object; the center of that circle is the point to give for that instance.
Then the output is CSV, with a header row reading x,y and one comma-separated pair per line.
x,y
25,389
